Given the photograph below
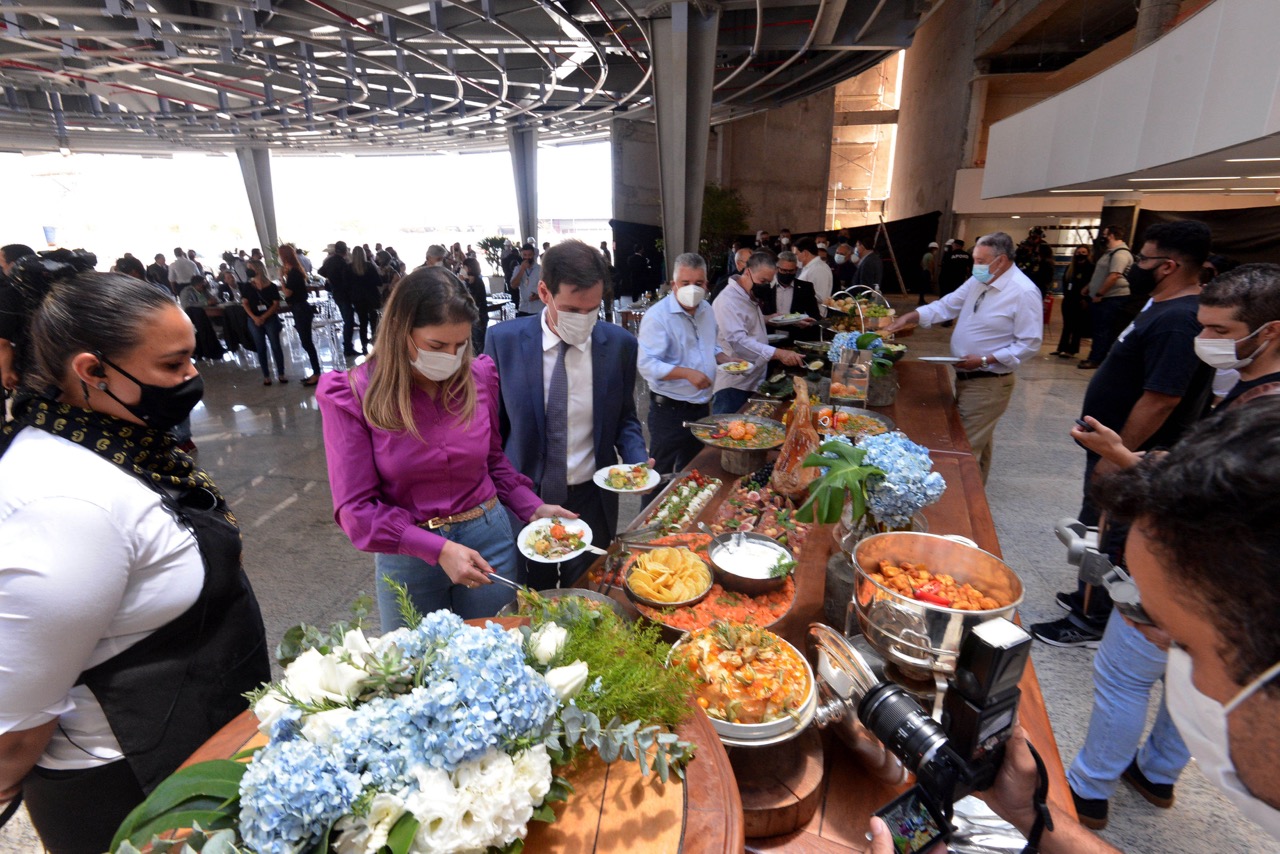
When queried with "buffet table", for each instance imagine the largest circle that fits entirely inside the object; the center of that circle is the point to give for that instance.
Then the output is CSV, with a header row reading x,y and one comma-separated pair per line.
x,y
924,410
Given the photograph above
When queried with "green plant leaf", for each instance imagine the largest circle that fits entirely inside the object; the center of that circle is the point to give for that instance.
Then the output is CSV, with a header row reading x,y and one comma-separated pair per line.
x,y
211,783
401,836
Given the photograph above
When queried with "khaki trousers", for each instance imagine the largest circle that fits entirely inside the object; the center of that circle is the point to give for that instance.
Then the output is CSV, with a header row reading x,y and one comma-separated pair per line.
x,y
981,402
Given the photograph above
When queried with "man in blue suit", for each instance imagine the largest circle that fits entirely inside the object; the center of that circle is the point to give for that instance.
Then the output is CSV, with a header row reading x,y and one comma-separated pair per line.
x,y
568,397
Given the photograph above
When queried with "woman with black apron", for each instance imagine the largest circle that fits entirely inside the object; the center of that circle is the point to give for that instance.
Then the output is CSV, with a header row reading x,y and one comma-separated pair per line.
x,y
129,632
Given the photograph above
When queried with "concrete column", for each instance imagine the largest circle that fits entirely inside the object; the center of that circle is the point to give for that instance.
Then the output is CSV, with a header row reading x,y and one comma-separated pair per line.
x,y
523,143
684,53
255,167
1153,17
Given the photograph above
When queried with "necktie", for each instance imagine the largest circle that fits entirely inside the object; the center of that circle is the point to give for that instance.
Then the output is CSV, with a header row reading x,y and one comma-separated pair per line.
x,y
555,472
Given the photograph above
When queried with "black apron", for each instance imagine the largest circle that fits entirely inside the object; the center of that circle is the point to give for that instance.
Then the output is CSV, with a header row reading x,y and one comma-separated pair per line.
x,y
167,694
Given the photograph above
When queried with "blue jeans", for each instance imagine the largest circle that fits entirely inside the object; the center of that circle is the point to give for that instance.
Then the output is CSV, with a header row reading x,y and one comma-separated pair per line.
x,y
268,333
729,400
430,588
1125,670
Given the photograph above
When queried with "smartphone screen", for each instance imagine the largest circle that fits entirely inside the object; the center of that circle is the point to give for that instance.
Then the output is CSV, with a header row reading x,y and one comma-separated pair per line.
x,y
913,822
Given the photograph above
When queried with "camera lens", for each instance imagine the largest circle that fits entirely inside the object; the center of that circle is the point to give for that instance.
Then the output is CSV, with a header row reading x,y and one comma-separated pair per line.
x,y
897,720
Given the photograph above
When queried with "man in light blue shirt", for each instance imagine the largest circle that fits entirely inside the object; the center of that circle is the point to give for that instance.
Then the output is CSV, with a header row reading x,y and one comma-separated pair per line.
x,y
678,358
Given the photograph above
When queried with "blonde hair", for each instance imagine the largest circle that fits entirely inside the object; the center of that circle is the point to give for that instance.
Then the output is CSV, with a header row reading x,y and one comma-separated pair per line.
x,y
430,296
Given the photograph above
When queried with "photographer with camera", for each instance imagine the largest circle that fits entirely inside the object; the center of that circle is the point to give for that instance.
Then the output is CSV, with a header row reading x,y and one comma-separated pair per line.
x,y
1207,505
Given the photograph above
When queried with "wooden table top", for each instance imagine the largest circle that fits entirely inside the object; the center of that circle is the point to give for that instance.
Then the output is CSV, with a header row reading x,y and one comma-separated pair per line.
x,y
613,807
924,410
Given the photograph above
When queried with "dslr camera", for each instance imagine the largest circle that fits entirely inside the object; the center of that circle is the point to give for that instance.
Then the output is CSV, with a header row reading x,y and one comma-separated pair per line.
x,y
963,753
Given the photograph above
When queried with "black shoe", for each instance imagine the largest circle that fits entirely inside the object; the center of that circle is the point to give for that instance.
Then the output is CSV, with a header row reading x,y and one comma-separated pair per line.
x,y
1070,602
1086,365
1066,355
1064,633
1157,794
1092,812
350,352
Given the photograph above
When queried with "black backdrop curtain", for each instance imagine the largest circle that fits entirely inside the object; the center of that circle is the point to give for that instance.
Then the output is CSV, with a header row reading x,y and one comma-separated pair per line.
x,y
1243,234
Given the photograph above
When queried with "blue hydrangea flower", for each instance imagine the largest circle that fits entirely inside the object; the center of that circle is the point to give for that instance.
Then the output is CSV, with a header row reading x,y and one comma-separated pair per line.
x,y
909,483
290,793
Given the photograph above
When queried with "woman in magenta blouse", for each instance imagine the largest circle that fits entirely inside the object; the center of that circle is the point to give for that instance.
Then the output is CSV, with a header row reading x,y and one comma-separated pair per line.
x,y
415,459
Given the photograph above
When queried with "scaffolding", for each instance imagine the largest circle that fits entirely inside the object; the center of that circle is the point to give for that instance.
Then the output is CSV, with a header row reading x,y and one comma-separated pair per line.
x,y
862,153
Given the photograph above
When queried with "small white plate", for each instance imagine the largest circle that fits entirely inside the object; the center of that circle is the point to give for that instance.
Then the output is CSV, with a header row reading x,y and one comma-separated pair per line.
x,y
941,360
601,479
542,524
738,367
788,319
777,337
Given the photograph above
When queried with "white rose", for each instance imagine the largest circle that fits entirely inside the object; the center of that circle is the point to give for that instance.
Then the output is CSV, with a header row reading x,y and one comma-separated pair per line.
x,y
268,710
355,643
368,834
312,677
567,681
546,643
321,727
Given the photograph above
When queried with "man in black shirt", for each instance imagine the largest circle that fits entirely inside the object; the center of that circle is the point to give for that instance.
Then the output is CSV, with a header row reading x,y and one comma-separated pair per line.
x,y
158,273
957,267
336,271
1150,387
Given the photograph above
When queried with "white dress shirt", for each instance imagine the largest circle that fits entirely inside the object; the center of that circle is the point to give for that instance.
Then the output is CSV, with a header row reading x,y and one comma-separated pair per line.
x,y
782,297
818,274
581,440
740,333
1003,320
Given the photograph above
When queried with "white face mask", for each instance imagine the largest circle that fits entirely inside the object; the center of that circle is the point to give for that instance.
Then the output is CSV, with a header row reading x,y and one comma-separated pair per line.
x,y
786,241
822,246
1202,723
1221,352
690,295
438,367
840,258
575,329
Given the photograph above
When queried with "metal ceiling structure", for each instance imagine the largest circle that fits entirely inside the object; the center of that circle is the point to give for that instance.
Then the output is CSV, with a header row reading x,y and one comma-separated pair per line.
x,y
158,76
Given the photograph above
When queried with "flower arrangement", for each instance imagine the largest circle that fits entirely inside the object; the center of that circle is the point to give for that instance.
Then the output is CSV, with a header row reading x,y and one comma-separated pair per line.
x,y
443,737
883,355
886,478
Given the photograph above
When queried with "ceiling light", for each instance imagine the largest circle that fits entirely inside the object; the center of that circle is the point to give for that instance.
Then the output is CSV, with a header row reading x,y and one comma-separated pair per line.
x,y
1186,190
1251,159
1096,192
1260,177
1208,178
1017,216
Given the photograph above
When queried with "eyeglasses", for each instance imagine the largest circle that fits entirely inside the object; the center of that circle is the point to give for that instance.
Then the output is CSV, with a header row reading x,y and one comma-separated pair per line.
x,y
1138,259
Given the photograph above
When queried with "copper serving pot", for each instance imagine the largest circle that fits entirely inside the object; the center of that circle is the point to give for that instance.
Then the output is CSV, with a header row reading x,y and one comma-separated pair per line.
x,y
922,638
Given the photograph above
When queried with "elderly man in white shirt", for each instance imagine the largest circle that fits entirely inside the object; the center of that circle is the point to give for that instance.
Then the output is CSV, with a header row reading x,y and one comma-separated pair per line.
x,y
815,271
999,319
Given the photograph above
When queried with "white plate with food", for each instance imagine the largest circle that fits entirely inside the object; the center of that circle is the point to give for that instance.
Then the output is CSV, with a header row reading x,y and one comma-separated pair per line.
x,y
553,540
777,337
942,360
625,478
787,319
739,367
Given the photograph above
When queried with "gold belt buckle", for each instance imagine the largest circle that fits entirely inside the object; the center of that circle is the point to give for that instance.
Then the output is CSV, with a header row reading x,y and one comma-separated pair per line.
x,y
437,522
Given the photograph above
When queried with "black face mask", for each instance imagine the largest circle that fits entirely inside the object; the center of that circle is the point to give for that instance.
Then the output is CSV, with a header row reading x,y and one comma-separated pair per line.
x,y
760,291
786,278
160,407
1141,280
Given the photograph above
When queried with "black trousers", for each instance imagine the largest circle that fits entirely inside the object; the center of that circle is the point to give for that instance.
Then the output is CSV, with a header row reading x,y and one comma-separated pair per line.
x,y
671,443
599,509
303,314
78,812
347,309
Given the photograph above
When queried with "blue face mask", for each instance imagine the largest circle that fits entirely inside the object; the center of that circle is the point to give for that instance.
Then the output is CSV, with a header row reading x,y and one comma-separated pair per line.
x,y
982,272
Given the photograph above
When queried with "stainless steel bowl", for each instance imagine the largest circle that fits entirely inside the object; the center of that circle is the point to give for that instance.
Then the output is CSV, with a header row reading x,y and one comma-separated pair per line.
x,y
920,637
654,603
729,580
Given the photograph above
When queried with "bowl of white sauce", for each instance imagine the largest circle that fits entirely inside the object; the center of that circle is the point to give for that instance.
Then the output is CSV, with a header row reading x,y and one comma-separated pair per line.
x,y
750,563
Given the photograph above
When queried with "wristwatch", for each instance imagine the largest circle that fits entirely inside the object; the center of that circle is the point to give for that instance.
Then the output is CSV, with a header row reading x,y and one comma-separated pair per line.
x,y
985,364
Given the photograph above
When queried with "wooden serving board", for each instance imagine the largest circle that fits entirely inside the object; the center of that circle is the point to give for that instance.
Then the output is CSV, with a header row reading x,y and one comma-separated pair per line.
x,y
613,807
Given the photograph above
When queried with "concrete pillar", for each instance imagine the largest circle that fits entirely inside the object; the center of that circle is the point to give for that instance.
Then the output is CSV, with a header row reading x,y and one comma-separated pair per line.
x,y
1154,16
255,167
523,143
684,54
